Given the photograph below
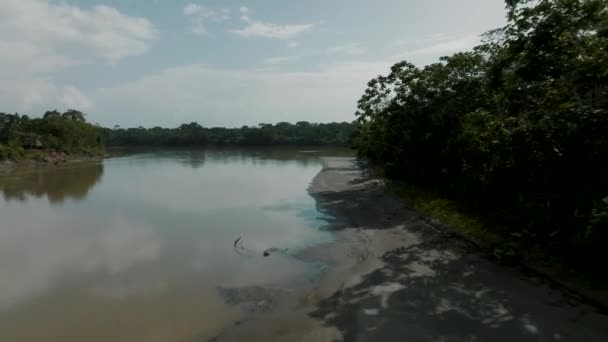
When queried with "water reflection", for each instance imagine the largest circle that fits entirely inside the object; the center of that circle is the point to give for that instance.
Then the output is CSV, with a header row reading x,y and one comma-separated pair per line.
x,y
57,183
45,246
140,257
196,158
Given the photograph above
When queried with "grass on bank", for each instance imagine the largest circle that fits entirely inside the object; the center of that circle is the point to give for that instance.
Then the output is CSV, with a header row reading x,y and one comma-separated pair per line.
x,y
487,235
11,153
441,209
495,240
445,211
18,153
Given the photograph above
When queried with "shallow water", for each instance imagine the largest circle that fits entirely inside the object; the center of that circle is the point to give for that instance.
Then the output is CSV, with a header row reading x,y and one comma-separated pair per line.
x,y
141,247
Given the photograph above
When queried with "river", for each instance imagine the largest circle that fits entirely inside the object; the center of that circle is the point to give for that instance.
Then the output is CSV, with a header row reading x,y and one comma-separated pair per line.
x,y
142,247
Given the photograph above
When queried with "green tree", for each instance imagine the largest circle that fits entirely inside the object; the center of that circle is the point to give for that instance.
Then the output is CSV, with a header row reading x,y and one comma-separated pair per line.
x,y
515,128
75,115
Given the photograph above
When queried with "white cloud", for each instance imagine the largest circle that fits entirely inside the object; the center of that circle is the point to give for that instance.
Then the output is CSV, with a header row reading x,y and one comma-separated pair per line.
x,y
437,45
434,38
267,30
41,28
237,97
40,37
256,28
198,28
198,14
348,49
34,96
429,39
449,46
112,246
71,97
279,59
192,9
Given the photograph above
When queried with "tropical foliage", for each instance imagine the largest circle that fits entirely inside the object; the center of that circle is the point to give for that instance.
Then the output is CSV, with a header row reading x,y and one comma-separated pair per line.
x,y
65,132
282,133
70,133
516,129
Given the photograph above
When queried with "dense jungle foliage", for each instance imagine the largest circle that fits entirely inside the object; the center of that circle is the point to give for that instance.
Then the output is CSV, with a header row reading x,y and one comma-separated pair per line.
x,y
516,129
283,133
69,132
64,132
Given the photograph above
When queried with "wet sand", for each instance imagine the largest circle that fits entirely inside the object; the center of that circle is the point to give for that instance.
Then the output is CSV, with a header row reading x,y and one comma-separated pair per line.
x,y
393,276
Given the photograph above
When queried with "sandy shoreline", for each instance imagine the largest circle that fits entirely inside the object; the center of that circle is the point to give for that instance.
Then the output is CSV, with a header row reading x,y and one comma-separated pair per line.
x,y
354,253
391,276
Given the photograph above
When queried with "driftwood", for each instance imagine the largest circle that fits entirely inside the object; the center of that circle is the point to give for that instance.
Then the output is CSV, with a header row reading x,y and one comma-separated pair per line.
x,y
273,250
238,248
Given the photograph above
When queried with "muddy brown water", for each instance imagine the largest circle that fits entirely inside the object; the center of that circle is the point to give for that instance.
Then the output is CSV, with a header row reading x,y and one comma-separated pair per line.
x,y
141,247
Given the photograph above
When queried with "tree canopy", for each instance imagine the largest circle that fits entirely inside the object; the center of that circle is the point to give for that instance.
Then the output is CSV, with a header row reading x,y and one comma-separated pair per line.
x,y
66,132
69,132
515,129
193,134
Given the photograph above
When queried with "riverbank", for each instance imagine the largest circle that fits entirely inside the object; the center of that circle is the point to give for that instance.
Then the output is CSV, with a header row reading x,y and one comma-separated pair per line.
x,y
575,276
392,275
44,158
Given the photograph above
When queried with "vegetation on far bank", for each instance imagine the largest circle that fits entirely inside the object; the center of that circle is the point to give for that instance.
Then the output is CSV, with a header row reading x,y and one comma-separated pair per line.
x,y
302,133
514,131
22,137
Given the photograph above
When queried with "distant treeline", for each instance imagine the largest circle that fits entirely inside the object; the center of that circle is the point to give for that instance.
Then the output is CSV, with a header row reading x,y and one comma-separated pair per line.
x,y
516,129
193,134
22,136
69,132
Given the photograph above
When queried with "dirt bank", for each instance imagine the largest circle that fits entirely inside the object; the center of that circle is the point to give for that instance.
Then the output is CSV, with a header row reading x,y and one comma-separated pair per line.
x,y
45,158
391,276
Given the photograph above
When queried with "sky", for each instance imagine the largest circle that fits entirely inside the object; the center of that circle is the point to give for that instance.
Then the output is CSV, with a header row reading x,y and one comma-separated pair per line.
x,y
220,62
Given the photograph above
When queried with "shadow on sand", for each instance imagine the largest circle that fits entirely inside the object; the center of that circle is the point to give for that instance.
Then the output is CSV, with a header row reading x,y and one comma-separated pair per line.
x,y
442,288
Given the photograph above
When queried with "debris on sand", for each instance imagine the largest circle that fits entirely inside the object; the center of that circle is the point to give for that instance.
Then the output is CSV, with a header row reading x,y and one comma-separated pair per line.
x,y
238,246
274,250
